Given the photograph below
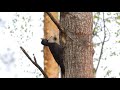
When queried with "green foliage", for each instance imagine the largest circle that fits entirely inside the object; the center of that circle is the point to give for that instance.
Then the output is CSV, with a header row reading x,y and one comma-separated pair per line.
x,y
112,41
108,20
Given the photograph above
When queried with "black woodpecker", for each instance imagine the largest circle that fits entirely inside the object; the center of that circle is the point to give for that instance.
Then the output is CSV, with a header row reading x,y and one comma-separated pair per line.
x,y
57,52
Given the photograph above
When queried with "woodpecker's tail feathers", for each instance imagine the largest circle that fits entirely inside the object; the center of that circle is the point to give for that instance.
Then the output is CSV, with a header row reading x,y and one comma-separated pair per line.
x,y
62,70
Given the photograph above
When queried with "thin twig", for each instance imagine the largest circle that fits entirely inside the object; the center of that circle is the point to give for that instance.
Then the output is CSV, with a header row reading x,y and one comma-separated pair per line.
x,y
34,58
35,63
102,44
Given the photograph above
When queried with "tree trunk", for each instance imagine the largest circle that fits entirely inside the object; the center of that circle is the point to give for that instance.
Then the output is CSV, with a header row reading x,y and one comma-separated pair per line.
x,y
78,47
50,29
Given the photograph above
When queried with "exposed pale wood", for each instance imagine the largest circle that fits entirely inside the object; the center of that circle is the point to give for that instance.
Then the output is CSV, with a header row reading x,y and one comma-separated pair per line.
x,y
50,66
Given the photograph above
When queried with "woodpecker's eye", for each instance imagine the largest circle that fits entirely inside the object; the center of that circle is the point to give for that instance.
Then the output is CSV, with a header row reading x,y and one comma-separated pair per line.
x,y
55,38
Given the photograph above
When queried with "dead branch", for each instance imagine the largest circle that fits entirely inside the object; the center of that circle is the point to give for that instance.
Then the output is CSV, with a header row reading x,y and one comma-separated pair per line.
x,y
35,63
57,24
55,21
102,44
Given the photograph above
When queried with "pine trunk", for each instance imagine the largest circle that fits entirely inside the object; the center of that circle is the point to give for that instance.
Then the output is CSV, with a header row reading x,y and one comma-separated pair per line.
x,y
78,47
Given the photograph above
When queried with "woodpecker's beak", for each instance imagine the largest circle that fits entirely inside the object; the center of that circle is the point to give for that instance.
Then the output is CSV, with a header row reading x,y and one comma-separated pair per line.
x,y
49,38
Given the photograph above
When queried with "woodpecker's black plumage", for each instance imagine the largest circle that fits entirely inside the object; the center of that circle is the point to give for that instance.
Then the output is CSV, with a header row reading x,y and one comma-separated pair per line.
x,y
57,52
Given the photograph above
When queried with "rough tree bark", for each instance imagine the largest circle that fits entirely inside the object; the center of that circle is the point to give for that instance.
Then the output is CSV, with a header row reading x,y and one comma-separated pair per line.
x,y
78,47
50,29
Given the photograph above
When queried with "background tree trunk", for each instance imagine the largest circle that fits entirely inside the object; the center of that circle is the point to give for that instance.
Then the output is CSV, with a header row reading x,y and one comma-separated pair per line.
x,y
50,29
78,51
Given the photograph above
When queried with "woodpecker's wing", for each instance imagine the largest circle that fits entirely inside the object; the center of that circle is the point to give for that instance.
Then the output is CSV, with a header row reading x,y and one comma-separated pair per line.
x,y
56,51
61,49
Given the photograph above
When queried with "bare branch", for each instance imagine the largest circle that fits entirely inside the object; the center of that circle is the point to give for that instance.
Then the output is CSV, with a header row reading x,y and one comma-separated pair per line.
x,y
109,34
45,75
100,38
57,24
102,44
55,21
